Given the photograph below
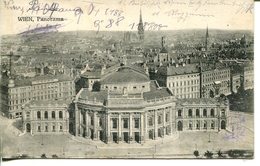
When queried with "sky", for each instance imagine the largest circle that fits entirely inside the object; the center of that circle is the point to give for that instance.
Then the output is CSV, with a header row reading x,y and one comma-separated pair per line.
x,y
123,15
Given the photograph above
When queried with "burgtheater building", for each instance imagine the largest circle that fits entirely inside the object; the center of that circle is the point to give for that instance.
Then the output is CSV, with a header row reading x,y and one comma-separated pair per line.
x,y
129,107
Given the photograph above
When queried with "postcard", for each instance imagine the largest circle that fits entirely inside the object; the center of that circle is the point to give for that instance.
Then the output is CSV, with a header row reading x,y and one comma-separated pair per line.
x,y
150,79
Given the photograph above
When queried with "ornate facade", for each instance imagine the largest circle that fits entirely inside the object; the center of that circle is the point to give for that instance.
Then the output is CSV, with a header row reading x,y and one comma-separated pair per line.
x,y
46,117
202,114
131,108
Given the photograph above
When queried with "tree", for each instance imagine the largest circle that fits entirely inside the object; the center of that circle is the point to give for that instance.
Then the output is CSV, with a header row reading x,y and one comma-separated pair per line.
x,y
196,153
208,154
220,154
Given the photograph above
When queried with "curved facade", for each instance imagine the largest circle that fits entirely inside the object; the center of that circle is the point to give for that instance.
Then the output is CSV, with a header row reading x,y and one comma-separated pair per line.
x,y
119,112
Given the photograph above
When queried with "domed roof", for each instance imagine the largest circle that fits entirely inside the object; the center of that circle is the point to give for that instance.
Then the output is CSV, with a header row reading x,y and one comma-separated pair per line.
x,y
125,75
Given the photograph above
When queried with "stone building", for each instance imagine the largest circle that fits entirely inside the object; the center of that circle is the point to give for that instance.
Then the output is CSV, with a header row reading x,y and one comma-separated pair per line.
x,y
202,114
248,76
215,80
129,107
182,80
46,117
17,92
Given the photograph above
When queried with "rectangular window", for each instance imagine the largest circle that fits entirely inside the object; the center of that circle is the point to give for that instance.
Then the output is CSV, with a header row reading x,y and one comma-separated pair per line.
x,y
167,117
125,121
136,123
114,121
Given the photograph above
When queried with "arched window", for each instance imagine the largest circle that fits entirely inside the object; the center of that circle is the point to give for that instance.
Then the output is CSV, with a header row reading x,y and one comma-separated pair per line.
x,y
38,114
212,112
190,112
179,113
46,115
204,112
197,112
60,115
53,114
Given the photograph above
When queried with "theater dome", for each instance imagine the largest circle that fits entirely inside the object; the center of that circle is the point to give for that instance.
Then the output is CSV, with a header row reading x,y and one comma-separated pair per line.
x,y
130,79
125,75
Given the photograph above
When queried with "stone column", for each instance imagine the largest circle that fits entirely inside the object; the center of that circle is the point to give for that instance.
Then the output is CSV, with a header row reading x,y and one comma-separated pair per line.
x,y
131,128
80,123
95,126
86,124
119,128
108,128
164,120
146,127
155,125
142,134
171,121
76,120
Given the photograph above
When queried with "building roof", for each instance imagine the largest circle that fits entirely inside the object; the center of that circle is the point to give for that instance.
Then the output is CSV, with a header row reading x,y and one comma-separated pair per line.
x,y
201,101
125,75
92,74
28,81
48,103
180,70
157,93
163,50
85,94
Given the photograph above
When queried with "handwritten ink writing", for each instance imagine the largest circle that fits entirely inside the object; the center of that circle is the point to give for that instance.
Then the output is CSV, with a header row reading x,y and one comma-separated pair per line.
x,y
49,9
107,23
150,26
11,5
41,29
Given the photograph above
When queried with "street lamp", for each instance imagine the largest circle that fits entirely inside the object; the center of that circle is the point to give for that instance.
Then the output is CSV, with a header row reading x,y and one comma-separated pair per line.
x,y
42,140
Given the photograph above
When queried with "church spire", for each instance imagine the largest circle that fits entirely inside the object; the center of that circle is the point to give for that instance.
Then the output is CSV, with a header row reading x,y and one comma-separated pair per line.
x,y
206,40
141,27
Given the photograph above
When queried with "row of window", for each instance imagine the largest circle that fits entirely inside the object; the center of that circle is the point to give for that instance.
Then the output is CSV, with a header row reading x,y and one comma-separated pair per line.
x,y
205,125
53,115
184,76
51,94
197,113
125,123
189,89
193,95
44,86
115,87
183,83
159,119
48,129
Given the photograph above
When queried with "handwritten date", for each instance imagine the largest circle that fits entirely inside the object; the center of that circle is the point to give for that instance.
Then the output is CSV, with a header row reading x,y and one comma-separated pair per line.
x,y
107,23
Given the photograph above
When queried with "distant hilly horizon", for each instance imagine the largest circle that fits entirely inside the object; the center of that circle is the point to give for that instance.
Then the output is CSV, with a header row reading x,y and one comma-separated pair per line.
x,y
150,31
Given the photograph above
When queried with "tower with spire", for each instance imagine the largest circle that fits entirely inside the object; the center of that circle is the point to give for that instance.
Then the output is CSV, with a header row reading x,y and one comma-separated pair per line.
x,y
206,39
141,28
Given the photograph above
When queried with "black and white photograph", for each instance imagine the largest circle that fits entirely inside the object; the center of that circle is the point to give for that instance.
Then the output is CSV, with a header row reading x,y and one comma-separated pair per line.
x,y
127,79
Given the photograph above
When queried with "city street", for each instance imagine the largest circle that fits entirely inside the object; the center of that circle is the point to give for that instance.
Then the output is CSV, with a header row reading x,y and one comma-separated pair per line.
x,y
179,146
